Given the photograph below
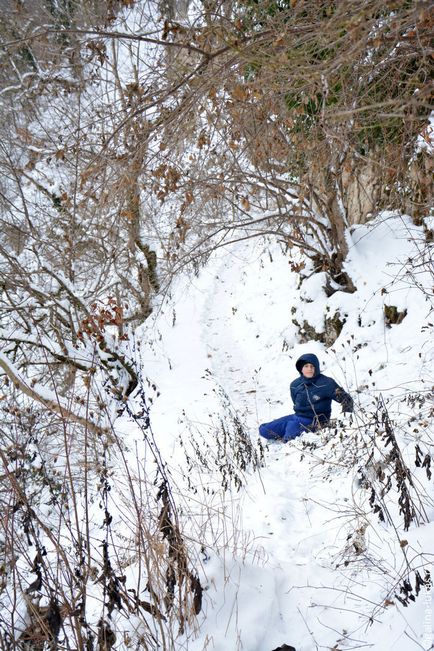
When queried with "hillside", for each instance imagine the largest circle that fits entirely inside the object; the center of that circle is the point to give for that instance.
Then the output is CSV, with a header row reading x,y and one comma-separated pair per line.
x,y
305,560
192,195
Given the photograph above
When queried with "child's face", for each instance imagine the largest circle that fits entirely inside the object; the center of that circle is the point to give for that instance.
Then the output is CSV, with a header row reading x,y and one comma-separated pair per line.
x,y
308,370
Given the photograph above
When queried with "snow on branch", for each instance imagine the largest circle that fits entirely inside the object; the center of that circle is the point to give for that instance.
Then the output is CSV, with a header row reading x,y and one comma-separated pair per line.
x,y
49,399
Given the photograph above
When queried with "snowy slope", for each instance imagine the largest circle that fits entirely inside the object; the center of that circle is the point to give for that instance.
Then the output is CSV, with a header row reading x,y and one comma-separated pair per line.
x,y
299,557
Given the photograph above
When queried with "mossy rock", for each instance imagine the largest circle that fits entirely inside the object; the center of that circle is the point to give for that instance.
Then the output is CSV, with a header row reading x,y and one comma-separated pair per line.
x,y
332,329
392,316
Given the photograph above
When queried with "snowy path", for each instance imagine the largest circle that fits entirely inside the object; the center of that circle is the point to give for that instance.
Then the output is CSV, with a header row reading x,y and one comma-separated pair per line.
x,y
289,573
246,352
303,512
295,535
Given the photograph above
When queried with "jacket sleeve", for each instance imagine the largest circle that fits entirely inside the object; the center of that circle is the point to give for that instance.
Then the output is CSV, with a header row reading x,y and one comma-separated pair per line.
x,y
344,399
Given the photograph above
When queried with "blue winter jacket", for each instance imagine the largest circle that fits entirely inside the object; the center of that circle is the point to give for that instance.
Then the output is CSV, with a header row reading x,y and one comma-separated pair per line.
x,y
312,397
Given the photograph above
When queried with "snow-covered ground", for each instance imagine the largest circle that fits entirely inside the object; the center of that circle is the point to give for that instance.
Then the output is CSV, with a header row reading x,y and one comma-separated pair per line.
x,y
299,556
291,546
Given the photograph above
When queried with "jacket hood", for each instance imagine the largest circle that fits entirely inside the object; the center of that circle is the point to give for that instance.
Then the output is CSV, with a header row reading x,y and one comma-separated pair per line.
x,y
309,358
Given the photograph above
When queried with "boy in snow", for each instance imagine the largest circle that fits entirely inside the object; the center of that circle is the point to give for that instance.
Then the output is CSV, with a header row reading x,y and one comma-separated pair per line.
x,y
312,394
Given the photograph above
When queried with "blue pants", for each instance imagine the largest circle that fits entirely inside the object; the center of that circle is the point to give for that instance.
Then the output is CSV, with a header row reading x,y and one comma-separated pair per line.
x,y
286,428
